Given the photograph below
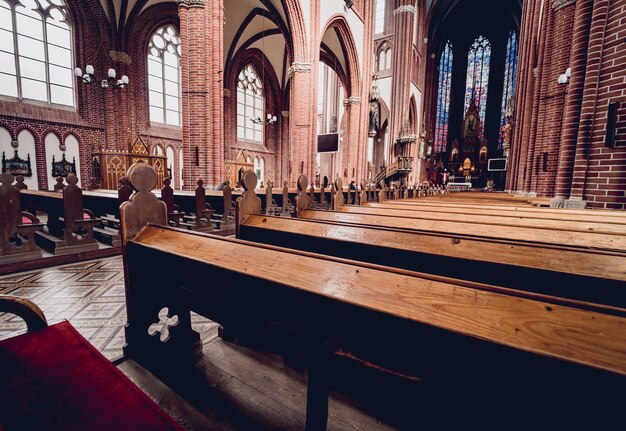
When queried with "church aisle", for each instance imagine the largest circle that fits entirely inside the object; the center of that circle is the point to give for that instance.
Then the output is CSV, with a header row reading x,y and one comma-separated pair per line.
x,y
89,294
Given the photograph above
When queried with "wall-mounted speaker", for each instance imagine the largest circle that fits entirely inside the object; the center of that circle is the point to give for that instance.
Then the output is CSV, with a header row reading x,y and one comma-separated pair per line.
x,y
611,122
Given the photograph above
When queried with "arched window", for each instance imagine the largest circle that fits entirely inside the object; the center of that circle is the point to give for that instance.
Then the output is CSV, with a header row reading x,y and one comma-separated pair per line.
x,y
250,105
477,83
36,51
380,16
510,72
443,99
164,76
384,59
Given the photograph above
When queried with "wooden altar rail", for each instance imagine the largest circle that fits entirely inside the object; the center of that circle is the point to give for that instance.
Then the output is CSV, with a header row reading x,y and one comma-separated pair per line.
x,y
515,220
206,275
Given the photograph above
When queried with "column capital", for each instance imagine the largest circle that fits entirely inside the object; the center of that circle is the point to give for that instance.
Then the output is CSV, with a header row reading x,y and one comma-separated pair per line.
x,y
190,3
299,67
354,100
407,8
558,4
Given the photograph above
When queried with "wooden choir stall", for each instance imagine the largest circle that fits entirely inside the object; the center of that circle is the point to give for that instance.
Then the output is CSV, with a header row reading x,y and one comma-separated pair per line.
x,y
110,166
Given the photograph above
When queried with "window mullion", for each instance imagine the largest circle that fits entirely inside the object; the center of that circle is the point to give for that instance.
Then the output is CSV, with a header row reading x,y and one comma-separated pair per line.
x,y
18,73
163,87
46,57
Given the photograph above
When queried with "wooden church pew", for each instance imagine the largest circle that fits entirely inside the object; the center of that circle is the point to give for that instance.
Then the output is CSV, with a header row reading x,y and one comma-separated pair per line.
x,y
564,271
491,219
70,225
556,270
332,306
521,207
17,227
596,241
530,213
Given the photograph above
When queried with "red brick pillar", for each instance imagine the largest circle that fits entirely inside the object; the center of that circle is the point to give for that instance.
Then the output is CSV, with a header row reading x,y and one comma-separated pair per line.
x,y
401,66
524,93
573,101
350,143
590,97
215,92
301,147
195,102
540,85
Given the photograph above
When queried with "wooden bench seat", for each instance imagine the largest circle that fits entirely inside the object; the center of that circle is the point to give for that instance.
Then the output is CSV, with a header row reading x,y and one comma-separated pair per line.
x,y
530,213
596,241
515,207
510,220
556,270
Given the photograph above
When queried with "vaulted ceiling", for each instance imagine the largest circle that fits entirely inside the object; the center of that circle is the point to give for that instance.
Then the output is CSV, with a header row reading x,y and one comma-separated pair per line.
x,y
452,16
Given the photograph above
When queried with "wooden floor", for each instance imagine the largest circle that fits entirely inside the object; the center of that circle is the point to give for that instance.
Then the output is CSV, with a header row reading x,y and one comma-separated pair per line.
x,y
249,389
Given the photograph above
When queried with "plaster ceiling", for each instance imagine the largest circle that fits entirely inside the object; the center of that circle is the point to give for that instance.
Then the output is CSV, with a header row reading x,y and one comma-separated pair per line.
x,y
331,40
235,14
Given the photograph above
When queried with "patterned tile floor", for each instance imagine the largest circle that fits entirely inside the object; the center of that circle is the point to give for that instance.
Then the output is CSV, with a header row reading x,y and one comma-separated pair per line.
x,y
89,294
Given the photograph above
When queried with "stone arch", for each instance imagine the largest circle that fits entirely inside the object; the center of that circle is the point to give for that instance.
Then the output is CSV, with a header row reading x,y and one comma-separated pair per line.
x,y
338,23
295,18
413,115
28,146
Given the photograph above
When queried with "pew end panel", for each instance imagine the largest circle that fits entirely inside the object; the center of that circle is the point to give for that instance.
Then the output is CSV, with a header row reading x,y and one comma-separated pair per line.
x,y
17,227
249,203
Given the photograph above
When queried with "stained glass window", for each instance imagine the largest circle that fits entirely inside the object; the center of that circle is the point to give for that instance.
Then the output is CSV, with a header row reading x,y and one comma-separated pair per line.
x,y
164,83
36,51
477,83
443,99
510,72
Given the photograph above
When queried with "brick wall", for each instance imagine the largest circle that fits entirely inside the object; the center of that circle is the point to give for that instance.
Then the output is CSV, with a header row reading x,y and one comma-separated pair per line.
x,y
566,124
606,171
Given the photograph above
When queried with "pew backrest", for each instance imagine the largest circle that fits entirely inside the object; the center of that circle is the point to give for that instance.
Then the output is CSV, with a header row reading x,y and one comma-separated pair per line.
x,y
143,207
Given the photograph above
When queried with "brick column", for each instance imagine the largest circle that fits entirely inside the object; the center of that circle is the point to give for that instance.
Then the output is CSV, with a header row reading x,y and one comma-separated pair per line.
x,y
350,143
194,72
590,96
215,93
538,87
573,102
301,148
401,66
523,97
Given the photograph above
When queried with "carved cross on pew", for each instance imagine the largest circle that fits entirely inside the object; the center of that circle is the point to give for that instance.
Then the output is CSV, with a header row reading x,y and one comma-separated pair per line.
x,y
163,325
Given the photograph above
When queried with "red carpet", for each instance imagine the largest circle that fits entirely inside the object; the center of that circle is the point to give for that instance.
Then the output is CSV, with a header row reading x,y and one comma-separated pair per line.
x,y
55,380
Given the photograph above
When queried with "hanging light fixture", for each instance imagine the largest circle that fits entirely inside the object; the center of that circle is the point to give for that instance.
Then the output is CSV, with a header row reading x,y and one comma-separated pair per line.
x,y
269,119
110,82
